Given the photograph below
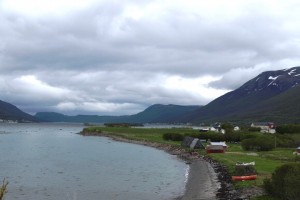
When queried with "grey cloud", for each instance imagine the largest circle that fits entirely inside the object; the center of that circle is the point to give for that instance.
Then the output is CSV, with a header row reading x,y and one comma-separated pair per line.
x,y
100,55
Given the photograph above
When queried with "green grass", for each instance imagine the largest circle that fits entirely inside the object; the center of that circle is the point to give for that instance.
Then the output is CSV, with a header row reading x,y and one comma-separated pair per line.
x,y
265,162
264,197
144,134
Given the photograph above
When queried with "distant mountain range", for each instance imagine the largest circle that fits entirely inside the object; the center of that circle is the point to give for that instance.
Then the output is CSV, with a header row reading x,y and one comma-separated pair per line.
x,y
154,114
11,112
271,96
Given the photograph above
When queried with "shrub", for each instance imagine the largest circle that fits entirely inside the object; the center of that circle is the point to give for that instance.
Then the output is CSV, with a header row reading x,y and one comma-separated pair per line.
x,y
232,137
3,189
262,143
244,170
194,135
212,136
285,182
285,141
254,129
249,135
227,127
173,136
288,128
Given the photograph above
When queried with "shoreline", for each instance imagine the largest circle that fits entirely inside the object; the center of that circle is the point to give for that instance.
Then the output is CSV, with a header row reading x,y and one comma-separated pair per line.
x,y
207,179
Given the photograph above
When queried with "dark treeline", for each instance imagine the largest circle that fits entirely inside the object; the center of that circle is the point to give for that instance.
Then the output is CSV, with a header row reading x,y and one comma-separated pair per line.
x,y
288,128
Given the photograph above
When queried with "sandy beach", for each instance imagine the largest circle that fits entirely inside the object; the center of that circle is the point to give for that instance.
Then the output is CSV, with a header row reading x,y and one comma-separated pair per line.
x,y
202,182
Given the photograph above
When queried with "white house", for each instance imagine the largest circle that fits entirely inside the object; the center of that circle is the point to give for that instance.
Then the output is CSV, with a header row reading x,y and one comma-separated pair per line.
x,y
236,128
265,127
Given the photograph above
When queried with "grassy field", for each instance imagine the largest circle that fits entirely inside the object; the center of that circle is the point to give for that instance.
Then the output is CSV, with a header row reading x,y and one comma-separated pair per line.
x,y
266,161
144,134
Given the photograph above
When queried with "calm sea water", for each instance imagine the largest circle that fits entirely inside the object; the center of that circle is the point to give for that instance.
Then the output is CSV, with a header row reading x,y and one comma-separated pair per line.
x,y
52,162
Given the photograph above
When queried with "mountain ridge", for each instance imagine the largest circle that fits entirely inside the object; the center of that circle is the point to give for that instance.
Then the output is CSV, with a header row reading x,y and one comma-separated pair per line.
x,y
157,113
11,112
270,96
250,98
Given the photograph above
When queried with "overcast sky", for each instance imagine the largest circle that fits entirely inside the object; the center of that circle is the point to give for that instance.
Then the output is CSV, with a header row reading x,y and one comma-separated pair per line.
x,y
115,57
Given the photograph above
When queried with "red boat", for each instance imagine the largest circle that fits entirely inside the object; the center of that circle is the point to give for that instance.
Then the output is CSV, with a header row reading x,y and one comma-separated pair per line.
x,y
244,178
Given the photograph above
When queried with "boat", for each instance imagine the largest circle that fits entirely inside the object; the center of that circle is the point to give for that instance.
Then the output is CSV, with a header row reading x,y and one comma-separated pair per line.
x,y
244,171
245,164
244,178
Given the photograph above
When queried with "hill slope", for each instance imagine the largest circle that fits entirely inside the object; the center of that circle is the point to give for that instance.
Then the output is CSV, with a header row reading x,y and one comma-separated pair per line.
x,y
267,97
154,114
11,112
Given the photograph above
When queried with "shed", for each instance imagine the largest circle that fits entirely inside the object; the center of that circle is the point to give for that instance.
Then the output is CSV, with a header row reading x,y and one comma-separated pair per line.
x,y
236,128
223,144
193,143
215,149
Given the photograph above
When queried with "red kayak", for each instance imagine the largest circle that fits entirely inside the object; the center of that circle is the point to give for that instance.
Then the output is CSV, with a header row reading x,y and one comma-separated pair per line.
x,y
244,178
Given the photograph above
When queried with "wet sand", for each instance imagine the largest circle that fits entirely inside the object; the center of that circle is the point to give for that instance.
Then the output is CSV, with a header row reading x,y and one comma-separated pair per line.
x,y
202,182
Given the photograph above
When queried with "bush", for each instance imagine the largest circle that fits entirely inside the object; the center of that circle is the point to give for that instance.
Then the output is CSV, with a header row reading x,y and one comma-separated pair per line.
x,y
232,137
254,129
285,141
212,136
249,135
3,189
262,143
285,182
227,127
288,128
173,136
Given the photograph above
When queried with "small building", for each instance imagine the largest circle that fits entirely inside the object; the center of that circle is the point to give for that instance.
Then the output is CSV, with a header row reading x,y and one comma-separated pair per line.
x,y
213,128
193,143
204,129
236,128
265,127
223,144
297,152
216,147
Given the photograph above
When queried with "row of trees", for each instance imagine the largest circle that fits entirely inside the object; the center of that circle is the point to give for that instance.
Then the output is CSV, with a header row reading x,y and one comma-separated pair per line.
x,y
288,128
281,129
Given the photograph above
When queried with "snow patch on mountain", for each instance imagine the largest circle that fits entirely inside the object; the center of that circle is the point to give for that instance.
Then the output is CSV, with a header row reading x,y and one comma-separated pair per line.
x,y
273,78
292,71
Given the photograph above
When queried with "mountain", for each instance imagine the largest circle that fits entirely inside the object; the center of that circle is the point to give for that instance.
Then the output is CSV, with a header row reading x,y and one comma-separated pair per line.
x,y
11,112
57,117
271,96
157,113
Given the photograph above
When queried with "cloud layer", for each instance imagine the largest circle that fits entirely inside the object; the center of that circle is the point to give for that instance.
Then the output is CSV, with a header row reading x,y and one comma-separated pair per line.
x,y
118,57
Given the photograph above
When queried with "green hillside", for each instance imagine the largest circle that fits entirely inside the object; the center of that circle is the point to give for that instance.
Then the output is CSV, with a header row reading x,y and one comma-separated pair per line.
x,y
11,112
157,113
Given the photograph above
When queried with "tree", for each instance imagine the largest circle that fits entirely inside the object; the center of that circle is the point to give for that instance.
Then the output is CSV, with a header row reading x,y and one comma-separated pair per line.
x,y
227,127
285,182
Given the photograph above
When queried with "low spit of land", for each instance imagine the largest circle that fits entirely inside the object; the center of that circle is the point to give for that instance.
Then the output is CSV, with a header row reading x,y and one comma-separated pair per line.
x,y
210,175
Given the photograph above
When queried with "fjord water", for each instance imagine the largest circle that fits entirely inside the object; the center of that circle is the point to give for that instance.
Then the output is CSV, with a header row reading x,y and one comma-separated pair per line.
x,y
51,161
